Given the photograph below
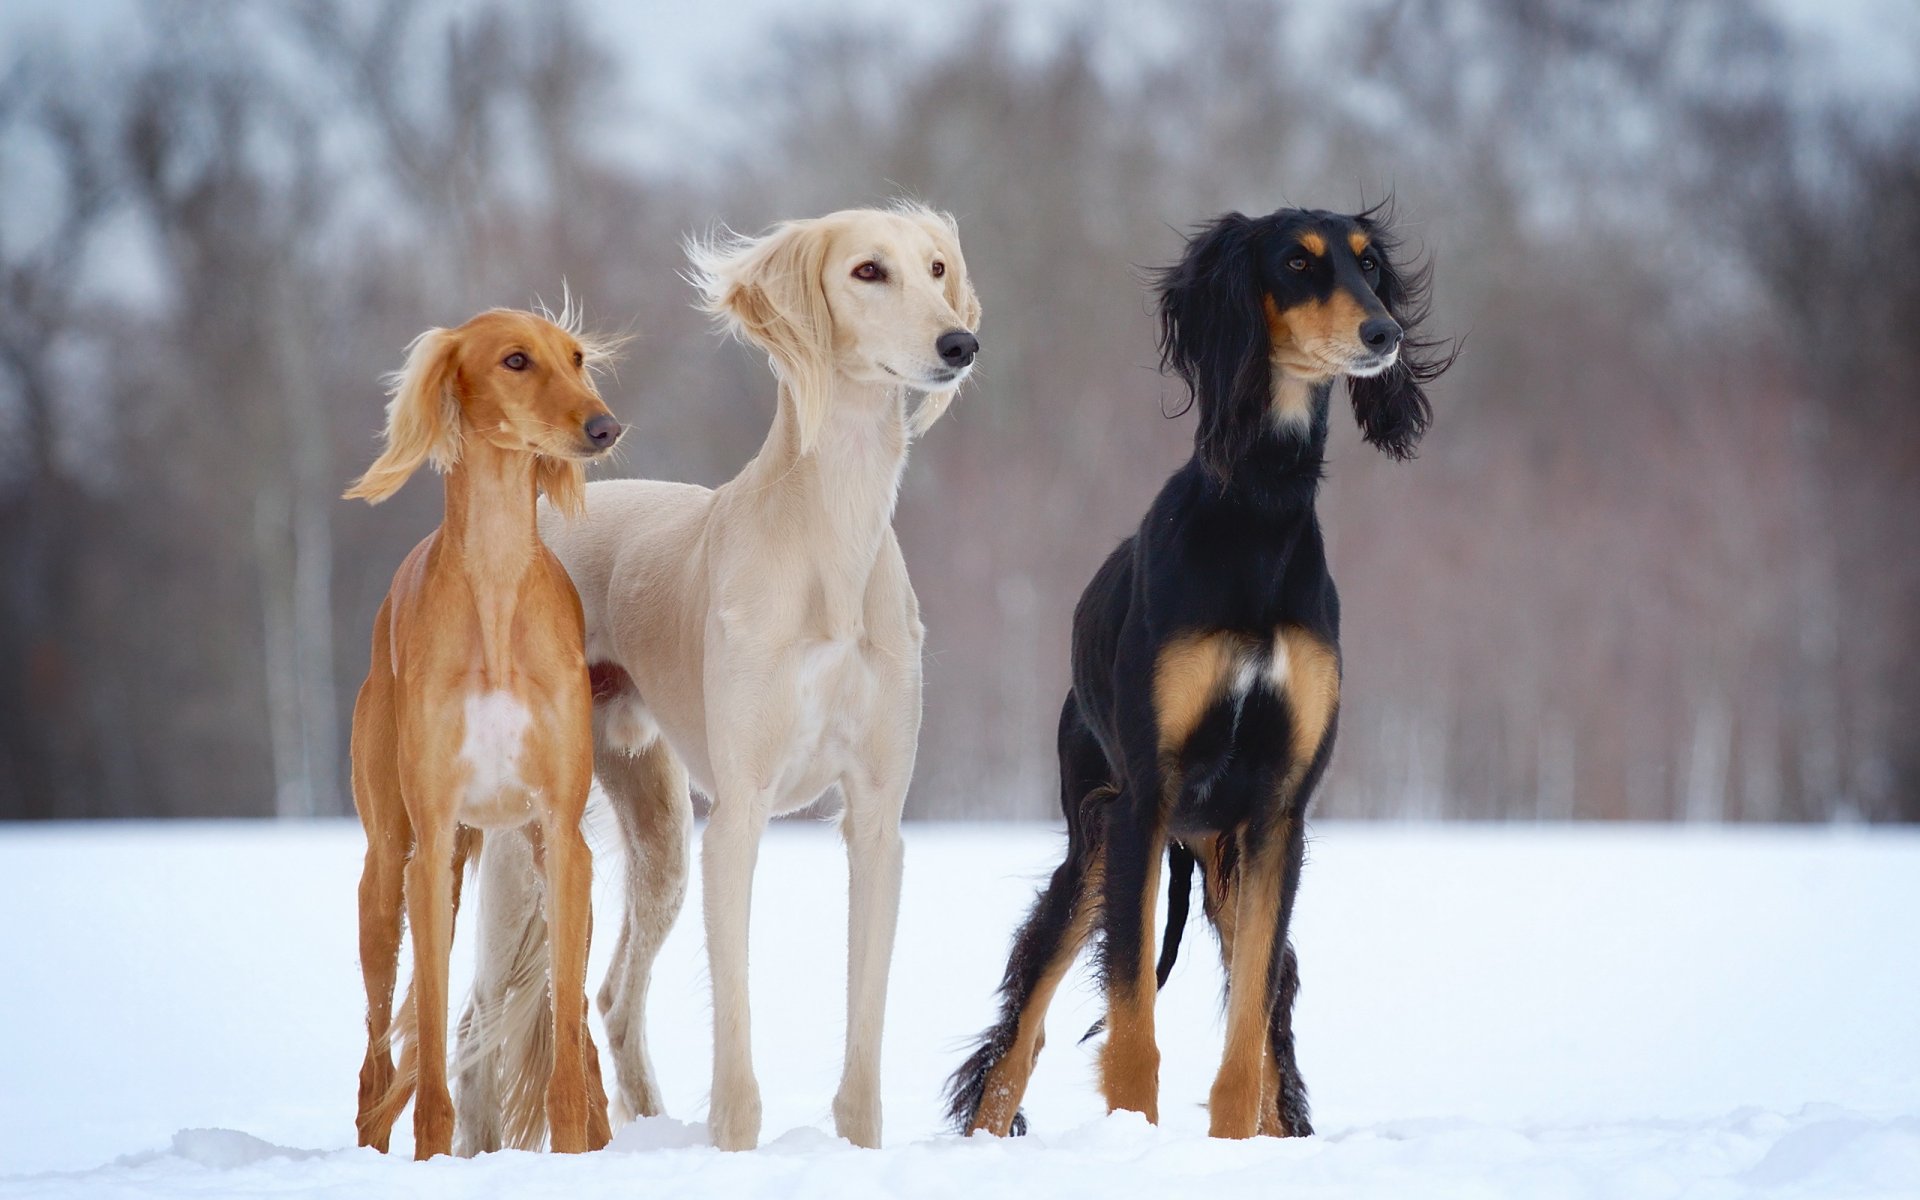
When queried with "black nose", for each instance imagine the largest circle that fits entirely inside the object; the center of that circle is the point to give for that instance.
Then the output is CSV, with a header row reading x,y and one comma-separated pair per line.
x,y
957,347
603,431
1381,334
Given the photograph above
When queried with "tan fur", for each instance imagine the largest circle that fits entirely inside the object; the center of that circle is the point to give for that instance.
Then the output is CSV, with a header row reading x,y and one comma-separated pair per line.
x,y
1130,1060
1357,242
1317,339
1314,243
1222,899
1235,1101
769,629
475,711
1313,692
1006,1083
1192,672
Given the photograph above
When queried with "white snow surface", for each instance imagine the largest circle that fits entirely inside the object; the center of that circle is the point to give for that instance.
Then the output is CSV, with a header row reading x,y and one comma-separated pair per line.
x,y
1535,1012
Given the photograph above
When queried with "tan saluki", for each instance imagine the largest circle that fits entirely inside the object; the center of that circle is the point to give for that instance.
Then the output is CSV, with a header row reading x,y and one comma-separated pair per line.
x,y
763,639
476,712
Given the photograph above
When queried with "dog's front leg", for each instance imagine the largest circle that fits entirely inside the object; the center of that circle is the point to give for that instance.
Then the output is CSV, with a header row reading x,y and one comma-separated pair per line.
x,y
1130,1061
871,827
728,852
429,877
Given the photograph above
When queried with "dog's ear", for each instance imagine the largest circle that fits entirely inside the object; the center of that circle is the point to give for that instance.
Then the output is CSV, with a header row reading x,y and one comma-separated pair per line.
x,y
1213,334
771,291
1392,407
564,483
957,284
423,417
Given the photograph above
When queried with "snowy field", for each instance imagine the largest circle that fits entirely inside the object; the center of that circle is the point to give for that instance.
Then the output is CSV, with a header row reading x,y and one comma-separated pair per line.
x,y
1486,1012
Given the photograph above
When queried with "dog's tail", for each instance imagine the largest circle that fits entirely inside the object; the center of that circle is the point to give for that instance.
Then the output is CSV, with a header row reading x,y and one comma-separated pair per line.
x,y
1179,903
505,1051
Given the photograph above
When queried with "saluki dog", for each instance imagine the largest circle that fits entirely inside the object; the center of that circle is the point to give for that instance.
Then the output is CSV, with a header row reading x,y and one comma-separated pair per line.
x,y
762,638
1206,666
477,710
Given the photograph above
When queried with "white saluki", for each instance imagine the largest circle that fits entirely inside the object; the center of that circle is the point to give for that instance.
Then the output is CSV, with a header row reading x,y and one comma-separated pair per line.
x,y
761,638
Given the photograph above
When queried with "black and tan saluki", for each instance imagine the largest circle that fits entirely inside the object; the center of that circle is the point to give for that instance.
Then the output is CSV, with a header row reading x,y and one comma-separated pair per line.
x,y
1206,666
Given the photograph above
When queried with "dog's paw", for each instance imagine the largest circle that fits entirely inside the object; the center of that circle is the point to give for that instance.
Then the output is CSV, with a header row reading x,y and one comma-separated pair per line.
x,y
858,1119
734,1119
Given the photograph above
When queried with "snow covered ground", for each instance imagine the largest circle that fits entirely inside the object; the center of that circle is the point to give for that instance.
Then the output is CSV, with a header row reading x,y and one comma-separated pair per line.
x,y
1486,1012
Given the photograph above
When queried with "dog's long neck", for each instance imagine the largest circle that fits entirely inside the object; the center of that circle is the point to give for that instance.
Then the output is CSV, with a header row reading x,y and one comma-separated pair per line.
x,y
1280,470
838,499
490,536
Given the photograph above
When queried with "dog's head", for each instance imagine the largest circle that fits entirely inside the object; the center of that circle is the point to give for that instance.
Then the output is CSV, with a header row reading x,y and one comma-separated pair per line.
x,y
1303,294
868,295
519,381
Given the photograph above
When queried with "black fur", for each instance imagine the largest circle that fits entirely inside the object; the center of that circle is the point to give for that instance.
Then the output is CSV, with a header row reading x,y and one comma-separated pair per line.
x,y
1230,545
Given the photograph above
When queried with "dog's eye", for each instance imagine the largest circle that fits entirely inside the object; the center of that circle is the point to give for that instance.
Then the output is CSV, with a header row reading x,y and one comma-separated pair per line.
x,y
1369,264
869,271
579,359
1297,263
939,268
517,362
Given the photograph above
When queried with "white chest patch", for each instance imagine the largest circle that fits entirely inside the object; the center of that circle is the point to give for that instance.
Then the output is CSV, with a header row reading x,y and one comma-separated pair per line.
x,y
1255,667
496,733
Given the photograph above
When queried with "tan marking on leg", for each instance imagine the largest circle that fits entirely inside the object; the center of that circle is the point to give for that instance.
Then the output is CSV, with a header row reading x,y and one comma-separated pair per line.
x,y
1270,1094
1130,1061
1312,687
1234,1104
1006,1083
1192,671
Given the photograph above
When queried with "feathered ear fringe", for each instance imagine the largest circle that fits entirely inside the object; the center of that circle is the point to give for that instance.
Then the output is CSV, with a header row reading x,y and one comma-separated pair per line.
x,y
1213,334
770,291
423,418
564,483
959,292
1392,407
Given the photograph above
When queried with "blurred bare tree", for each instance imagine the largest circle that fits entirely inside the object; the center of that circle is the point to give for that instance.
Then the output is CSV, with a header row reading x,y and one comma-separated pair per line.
x,y
1657,561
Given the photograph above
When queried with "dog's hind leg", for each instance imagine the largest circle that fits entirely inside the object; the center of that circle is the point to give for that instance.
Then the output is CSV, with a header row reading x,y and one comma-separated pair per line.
x,y
871,828
1284,1110
649,794
985,1092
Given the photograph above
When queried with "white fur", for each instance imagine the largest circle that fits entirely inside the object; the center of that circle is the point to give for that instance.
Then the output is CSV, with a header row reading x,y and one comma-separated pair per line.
x,y
772,635
490,747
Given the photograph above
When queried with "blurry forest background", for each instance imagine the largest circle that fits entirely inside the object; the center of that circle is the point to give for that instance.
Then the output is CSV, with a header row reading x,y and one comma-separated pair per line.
x,y
1659,558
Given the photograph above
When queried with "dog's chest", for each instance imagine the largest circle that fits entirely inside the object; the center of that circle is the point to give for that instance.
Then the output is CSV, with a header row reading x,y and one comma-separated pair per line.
x,y
834,686
493,749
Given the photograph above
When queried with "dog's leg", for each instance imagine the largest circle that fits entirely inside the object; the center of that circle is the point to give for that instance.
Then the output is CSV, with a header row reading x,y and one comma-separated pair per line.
x,y
430,912
1130,1061
569,871
381,899
871,827
728,852
985,1092
650,798
1254,963
511,929
1284,1110
1218,858
383,815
